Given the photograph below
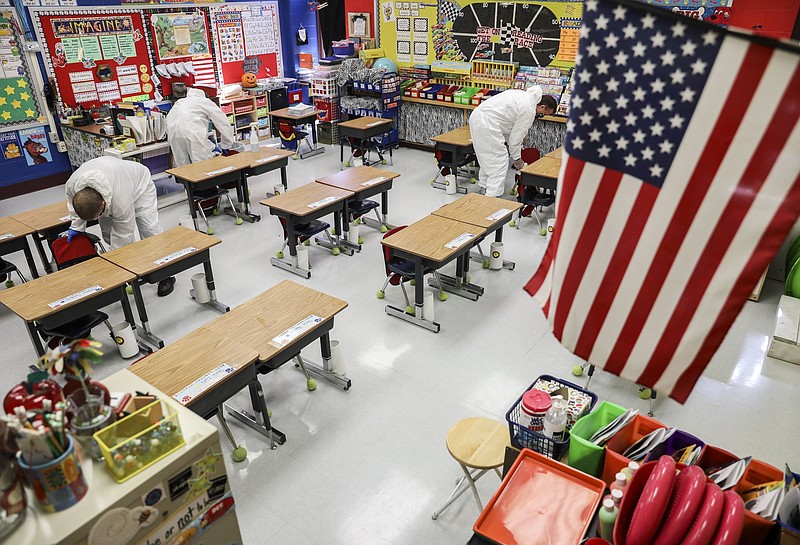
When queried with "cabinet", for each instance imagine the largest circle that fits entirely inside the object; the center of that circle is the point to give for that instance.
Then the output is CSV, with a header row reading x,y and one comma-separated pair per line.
x,y
244,111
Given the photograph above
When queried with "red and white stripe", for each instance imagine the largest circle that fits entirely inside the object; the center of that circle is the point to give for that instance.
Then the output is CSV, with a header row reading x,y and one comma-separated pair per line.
x,y
644,282
204,68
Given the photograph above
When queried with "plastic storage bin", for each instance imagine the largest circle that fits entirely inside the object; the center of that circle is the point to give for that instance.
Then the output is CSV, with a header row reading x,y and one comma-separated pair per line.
x,y
713,457
464,96
614,460
756,529
677,441
584,455
142,438
522,437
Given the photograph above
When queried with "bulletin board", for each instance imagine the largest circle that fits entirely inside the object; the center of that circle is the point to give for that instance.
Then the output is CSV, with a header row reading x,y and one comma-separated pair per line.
x,y
529,33
96,56
20,103
247,39
183,35
711,11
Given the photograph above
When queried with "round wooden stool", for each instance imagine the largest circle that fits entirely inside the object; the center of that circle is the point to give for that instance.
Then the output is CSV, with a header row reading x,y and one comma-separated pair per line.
x,y
478,445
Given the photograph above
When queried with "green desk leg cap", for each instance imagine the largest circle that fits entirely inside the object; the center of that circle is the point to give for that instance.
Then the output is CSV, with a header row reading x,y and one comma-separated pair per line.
x,y
347,163
645,392
543,231
239,221
361,240
311,384
512,223
9,283
294,157
412,282
333,230
216,212
433,183
384,229
279,255
128,289
269,413
410,310
383,161
306,242
381,294
359,221
210,231
442,296
473,180
239,454
336,251
577,370
485,263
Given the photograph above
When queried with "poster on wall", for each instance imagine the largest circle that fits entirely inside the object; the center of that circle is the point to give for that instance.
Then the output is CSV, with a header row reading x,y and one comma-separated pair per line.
x,y
711,11
179,35
35,146
96,56
19,102
247,38
9,143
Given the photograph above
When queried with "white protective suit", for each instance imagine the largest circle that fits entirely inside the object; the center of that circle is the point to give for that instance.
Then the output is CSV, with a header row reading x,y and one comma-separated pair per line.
x,y
187,128
505,117
130,196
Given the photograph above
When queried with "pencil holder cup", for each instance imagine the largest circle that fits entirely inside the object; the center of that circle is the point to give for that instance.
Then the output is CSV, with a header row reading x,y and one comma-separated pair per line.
x,y
186,221
302,257
551,226
496,256
126,340
450,186
353,232
201,294
277,189
58,484
83,429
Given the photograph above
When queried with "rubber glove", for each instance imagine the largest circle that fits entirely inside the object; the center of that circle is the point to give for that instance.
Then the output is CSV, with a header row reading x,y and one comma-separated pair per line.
x,y
226,152
216,151
71,233
519,164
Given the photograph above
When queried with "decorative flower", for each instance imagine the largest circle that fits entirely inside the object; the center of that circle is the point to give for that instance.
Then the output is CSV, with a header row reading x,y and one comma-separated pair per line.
x,y
73,360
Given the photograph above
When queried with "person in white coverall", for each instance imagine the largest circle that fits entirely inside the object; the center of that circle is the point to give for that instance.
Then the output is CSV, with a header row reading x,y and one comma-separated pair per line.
x,y
121,196
187,127
504,119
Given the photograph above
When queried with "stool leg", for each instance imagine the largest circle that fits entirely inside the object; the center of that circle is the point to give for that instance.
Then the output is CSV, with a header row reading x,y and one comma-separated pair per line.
x,y
460,489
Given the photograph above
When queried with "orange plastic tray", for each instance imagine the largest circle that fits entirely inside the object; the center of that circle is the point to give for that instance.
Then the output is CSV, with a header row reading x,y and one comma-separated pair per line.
x,y
540,502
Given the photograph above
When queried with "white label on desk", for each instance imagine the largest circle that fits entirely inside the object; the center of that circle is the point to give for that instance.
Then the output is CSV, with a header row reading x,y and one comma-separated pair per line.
x,y
7,235
203,383
374,123
175,255
74,297
374,181
219,171
295,331
63,218
321,202
267,160
459,241
497,215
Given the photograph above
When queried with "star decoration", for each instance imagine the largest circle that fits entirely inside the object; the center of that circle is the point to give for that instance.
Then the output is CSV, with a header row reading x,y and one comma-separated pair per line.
x,y
208,463
2,101
613,127
639,94
22,83
687,95
648,21
656,171
658,86
657,129
586,118
678,30
698,67
639,136
631,119
629,31
570,125
593,49
603,151
630,76
666,146
619,13
667,103
602,22
648,154
591,5
584,32
29,112
612,85
676,122
688,48
622,143
668,58
603,110
577,142
710,38
576,102
6,115
678,76
584,76
630,160
16,103
648,112
595,135
24,96
612,40
9,90
198,485
602,67
639,49
658,39
621,102
594,93
621,58
648,68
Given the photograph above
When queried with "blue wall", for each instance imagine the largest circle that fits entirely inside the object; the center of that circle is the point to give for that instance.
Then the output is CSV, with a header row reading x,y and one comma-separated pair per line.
x,y
292,13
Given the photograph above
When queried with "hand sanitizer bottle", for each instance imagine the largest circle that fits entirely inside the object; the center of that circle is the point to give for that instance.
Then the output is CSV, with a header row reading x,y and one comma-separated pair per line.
x,y
253,137
555,421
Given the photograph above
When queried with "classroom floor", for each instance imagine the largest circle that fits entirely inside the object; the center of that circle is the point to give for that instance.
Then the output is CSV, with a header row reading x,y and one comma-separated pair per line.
x,y
369,466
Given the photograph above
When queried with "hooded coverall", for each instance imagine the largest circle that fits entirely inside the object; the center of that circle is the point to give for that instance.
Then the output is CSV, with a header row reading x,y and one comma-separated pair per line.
x,y
187,128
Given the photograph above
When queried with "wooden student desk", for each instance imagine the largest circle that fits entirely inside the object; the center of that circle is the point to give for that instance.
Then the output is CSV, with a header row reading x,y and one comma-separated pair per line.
x,y
255,163
488,212
302,205
458,143
209,174
425,244
48,222
556,153
365,182
259,322
14,237
158,257
32,301
306,118
196,371
363,128
542,173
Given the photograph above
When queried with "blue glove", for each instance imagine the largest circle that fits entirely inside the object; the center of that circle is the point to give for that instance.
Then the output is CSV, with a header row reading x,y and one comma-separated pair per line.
x,y
216,150
71,233
226,152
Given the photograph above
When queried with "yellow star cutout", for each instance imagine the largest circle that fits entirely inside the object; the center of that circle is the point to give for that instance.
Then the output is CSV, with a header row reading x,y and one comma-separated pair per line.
x,y
2,101
24,96
22,83
198,486
29,112
6,115
16,103
9,90
208,463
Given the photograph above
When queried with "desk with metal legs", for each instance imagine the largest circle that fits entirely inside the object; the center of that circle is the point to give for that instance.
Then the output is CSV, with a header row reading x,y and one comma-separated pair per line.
x,y
259,162
305,118
69,294
14,238
458,143
365,182
48,222
162,256
361,129
431,243
490,213
305,204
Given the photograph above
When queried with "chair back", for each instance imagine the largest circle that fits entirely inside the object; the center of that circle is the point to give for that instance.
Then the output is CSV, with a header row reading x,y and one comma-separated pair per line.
x,y
530,155
287,134
80,249
387,253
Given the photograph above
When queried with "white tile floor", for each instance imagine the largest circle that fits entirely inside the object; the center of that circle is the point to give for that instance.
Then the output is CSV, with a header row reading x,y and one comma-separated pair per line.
x,y
368,466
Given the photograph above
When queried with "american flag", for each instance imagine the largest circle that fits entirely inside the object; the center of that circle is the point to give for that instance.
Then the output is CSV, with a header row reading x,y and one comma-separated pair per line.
x,y
679,183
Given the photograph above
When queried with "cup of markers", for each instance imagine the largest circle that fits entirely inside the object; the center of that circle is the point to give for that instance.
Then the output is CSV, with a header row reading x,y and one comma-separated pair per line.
x,y
57,483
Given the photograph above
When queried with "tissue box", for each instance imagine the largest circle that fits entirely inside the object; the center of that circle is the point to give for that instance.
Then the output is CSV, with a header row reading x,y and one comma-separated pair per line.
x,y
124,143
578,402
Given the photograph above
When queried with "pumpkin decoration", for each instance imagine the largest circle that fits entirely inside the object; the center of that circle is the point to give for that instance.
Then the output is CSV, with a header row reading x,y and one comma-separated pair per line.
x,y
249,80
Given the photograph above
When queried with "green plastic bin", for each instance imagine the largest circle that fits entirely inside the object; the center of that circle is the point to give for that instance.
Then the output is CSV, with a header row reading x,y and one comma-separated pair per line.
x,y
464,96
584,455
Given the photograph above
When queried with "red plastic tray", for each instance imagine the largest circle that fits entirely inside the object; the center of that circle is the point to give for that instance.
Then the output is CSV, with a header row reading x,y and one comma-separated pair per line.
x,y
540,502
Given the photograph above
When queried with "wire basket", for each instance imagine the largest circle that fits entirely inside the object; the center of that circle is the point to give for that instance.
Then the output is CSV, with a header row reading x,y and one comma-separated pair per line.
x,y
523,437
